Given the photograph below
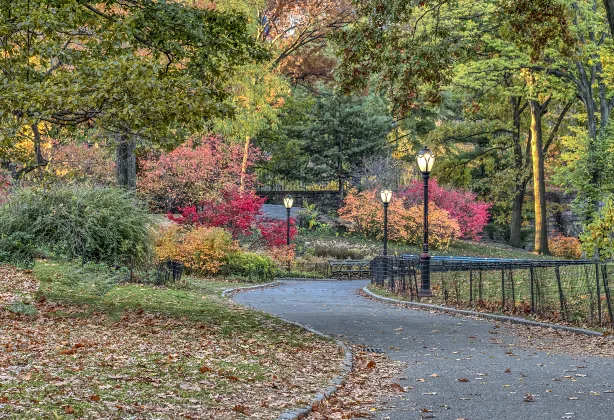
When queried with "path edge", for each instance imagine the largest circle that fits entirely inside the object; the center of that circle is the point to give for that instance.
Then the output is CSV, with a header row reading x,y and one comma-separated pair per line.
x,y
346,366
227,293
484,315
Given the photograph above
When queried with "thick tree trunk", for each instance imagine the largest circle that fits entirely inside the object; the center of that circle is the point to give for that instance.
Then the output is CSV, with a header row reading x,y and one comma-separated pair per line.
x,y
519,184
539,181
125,163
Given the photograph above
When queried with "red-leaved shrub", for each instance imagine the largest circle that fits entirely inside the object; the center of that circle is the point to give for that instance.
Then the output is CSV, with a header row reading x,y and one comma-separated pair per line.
x,y
198,170
240,213
470,213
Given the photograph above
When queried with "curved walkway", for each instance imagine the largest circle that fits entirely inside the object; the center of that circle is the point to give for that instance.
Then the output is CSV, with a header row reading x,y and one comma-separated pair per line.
x,y
440,349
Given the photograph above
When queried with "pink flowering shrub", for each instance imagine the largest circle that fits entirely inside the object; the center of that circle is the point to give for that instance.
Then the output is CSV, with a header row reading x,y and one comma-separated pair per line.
x,y
471,214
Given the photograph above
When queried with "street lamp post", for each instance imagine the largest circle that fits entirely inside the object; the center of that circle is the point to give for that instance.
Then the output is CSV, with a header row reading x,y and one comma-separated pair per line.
x,y
386,196
288,201
425,160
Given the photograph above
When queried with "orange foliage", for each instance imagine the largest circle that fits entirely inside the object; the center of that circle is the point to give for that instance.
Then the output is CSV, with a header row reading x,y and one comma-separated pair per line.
x,y
202,250
565,247
365,212
284,255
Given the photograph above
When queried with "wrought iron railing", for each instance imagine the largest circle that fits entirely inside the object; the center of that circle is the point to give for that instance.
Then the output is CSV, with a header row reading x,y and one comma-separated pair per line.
x,y
572,291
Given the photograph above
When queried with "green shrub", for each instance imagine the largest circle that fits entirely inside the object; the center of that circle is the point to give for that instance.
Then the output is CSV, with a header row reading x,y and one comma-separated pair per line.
x,y
102,224
251,266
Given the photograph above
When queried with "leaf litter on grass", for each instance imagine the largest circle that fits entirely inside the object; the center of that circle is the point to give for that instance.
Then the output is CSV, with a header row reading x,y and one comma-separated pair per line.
x,y
144,365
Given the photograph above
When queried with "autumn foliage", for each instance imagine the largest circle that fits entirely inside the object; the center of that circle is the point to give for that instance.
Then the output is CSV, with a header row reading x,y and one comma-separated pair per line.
x,y
197,171
565,247
463,206
202,250
405,224
239,213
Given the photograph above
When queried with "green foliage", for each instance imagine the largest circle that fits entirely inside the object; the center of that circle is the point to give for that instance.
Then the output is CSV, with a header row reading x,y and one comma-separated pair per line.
x,y
102,224
152,69
598,238
324,138
251,266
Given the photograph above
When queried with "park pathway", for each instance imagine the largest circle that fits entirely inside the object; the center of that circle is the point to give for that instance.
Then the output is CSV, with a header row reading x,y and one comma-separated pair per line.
x,y
440,349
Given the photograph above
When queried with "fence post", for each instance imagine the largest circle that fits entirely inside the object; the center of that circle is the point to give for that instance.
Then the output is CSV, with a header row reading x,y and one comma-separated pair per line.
x,y
532,271
503,289
557,271
513,288
480,295
606,288
598,291
470,287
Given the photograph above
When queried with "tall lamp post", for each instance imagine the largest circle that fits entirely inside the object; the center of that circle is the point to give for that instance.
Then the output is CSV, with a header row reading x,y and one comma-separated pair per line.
x,y
425,160
386,196
288,201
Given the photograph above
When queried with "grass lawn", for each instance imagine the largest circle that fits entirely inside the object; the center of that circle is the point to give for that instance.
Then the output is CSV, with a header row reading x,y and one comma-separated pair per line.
x,y
371,248
76,344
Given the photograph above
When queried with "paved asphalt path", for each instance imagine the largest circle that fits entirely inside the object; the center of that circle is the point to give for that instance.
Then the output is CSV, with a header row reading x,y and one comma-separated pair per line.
x,y
450,348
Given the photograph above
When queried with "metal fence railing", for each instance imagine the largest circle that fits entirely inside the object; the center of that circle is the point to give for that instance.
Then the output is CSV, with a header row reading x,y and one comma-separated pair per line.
x,y
575,292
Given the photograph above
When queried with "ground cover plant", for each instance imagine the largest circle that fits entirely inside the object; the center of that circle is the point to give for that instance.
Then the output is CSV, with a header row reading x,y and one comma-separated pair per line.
x,y
95,348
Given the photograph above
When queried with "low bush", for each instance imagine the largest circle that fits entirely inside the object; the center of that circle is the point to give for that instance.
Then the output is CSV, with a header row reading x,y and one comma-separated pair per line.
x,y
565,247
240,213
405,225
101,224
471,214
250,266
341,250
202,250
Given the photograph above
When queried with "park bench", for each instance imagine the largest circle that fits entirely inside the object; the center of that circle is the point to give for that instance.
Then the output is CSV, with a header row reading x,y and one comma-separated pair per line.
x,y
357,269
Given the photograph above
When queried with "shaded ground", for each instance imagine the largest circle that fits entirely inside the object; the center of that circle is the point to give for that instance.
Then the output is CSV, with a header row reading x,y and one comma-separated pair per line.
x,y
458,367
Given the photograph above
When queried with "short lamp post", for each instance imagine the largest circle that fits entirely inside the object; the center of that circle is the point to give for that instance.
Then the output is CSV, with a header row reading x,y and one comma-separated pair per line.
x,y
288,201
386,196
425,160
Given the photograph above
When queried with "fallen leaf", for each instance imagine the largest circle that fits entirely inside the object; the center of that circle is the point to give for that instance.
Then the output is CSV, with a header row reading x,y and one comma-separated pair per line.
x,y
371,364
463,380
94,397
397,387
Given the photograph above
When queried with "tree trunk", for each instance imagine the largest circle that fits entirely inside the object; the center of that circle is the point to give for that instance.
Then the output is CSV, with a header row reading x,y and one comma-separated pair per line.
x,y
40,160
125,163
244,163
519,184
609,10
539,182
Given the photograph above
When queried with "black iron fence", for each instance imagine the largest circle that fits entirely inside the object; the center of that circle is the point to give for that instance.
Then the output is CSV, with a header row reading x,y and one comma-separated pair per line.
x,y
576,292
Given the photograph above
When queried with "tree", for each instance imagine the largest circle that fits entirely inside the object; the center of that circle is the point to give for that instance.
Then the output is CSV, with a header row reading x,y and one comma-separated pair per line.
x,y
113,66
327,136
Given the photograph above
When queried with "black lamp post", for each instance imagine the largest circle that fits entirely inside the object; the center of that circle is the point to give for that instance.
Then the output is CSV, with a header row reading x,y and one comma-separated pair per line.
x,y
288,201
425,160
386,196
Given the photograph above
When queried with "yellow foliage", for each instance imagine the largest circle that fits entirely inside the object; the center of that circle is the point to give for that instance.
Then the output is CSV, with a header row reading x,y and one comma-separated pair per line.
x,y
202,250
